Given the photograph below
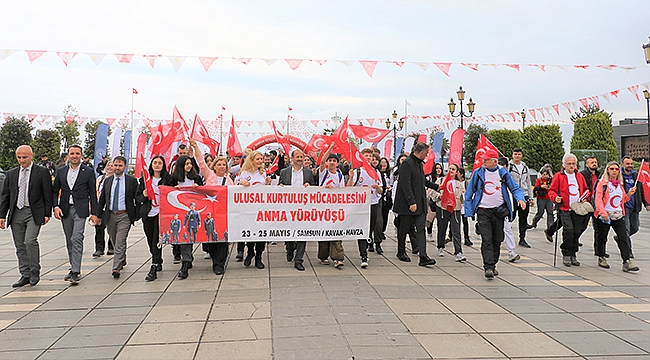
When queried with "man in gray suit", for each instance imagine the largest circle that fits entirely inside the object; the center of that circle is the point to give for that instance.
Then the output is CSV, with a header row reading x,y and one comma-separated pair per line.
x,y
26,205
74,199
296,175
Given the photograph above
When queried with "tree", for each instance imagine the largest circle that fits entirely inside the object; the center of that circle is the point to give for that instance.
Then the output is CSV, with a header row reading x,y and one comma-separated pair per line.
x,y
505,140
16,132
68,128
542,144
471,139
47,142
593,130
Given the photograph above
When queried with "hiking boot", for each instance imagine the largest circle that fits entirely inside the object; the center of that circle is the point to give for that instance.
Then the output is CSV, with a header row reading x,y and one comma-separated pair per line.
x,y
153,273
574,261
489,273
602,262
566,260
628,266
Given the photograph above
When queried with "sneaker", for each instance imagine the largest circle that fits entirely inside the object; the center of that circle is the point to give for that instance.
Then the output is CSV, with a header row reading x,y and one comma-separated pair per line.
x,y
206,256
364,263
74,278
177,259
513,257
239,257
274,242
460,257
628,266
430,237
97,254
110,252
338,263
489,273
325,262
441,252
566,260
67,277
548,236
602,262
574,261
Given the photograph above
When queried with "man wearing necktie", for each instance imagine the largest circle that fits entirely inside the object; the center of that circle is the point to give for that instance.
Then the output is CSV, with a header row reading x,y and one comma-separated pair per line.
x,y
74,199
26,205
118,210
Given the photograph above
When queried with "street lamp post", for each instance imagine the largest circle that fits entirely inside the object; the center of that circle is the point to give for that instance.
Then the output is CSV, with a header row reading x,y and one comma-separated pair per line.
x,y
523,119
646,95
397,126
452,106
646,49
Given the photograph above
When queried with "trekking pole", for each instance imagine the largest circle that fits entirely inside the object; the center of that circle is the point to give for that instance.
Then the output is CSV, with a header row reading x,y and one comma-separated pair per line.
x,y
557,219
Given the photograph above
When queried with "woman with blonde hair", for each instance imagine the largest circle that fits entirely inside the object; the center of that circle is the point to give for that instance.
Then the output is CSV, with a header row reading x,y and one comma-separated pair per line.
x,y
610,202
252,174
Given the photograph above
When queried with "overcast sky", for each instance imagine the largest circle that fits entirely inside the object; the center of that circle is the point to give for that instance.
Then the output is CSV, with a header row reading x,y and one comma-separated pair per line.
x,y
485,32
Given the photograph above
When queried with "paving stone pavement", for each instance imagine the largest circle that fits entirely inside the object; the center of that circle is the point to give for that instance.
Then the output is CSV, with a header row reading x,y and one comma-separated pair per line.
x,y
391,310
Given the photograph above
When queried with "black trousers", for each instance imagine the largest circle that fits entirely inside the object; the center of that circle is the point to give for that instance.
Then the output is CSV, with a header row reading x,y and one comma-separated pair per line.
x,y
413,225
523,219
100,238
363,243
573,225
490,225
150,225
218,253
298,247
621,237
451,219
255,248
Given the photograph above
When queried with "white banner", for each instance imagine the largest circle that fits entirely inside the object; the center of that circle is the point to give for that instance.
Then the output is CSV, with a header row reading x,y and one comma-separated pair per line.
x,y
260,213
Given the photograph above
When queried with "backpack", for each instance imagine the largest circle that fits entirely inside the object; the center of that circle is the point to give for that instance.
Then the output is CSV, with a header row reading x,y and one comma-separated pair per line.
x,y
327,174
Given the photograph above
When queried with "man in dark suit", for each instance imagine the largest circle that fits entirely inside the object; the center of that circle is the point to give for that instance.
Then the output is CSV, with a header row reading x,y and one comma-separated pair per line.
x,y
411,204
118,210
296,175
25,205
74,200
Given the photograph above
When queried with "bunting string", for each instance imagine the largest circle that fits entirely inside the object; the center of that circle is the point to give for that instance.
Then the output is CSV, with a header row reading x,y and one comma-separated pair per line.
x,y
368,66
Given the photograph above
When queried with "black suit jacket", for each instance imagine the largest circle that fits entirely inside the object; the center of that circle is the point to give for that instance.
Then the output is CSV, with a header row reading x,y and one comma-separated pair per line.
x,y
40,194
411,187
84,193
307,176
130,194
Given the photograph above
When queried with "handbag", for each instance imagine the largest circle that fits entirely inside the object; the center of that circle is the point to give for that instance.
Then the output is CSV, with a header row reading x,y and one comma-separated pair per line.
x,y
502,211
582,208
615,215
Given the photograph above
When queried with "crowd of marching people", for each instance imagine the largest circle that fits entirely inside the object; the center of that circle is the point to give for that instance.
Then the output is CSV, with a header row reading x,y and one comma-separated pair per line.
x,y
495,195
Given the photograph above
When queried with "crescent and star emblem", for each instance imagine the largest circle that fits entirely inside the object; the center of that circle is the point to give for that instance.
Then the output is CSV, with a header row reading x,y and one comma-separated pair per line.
x,y
485,189
573,193
172,197
613,203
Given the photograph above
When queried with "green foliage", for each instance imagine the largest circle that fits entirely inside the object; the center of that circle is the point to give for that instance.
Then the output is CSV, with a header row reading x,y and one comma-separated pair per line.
x,y
471,139
15,132
505,140
69,132
542,144
91,133
593,130
47,142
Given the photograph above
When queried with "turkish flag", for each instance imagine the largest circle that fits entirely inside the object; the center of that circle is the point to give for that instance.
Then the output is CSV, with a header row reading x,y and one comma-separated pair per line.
x,y
644,179
369,134
318,142
448,199
342,141
282,140
212,200
482,146
168,134
234,148
139,164
357,160
274,167
147,181
429,162
200,133
135,91
456,146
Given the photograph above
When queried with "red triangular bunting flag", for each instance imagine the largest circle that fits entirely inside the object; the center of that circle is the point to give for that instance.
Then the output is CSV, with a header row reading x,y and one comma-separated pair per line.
x,y
514,66
34,54
584,103
471,66
151,59
66,56
368,66
293,63
443,66
206,62
124,58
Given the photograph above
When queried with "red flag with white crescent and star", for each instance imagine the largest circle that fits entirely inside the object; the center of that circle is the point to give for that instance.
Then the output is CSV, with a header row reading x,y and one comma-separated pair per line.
x,y
482,146
151,195
200,133
234,148
448,199
644,179
369,134
357,161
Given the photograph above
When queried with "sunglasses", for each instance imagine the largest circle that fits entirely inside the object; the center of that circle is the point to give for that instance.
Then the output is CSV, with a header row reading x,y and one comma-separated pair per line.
x,y
613,168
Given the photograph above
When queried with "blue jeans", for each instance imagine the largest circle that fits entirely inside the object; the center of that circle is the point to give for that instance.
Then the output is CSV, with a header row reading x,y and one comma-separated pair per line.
x,y
631,224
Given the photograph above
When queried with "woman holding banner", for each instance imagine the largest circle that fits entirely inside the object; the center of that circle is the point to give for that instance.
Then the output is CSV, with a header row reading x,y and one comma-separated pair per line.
x,y
150,211
218,176
253,173
184,175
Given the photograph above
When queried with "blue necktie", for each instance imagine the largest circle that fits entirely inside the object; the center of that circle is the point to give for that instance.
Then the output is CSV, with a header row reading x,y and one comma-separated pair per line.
x,y
116,196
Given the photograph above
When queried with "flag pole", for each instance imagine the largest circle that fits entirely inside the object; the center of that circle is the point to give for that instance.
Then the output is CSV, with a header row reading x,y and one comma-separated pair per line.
x,y
132,130
221,132
637,177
